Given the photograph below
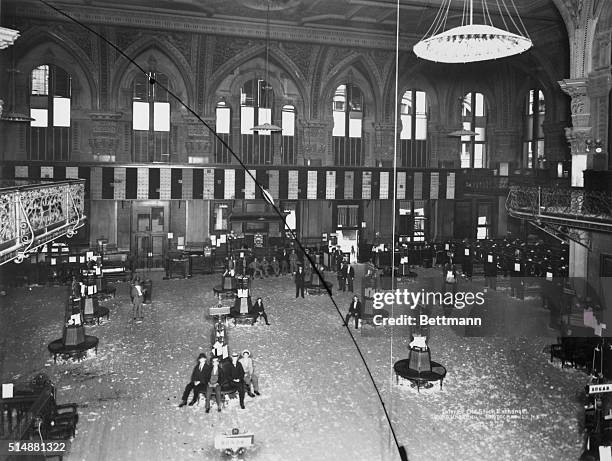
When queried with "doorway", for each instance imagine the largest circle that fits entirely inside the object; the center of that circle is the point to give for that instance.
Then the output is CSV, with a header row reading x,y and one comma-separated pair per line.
x,y
150,225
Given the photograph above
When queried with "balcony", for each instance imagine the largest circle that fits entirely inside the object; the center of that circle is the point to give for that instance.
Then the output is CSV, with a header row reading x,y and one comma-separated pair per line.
x,y
562,206
33,214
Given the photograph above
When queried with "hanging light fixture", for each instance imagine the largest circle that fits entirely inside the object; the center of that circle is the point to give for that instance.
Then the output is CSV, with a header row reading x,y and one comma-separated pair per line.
x,y
471,42
7,36
266,126
462,132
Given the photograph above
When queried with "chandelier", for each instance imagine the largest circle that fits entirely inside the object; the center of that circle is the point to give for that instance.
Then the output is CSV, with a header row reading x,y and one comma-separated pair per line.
x,y
7,37
267,128
470,42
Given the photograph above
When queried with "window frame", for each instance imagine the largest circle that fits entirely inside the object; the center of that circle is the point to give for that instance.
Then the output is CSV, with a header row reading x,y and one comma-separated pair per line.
x,y
469,144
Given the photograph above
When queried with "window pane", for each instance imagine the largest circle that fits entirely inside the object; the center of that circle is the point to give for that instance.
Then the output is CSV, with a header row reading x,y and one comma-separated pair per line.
x,y
40,81
478,156
355,126
406,106
140,115
40,118
466,107
421,103
339,127
406,127
61,111
161,116
421,127
223,120
480,133
479,110
541,103
465,155
264,116
247,119
482,233
466,126
288,122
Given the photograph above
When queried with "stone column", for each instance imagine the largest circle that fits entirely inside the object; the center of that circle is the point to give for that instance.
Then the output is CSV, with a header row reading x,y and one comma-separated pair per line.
x,y
580,130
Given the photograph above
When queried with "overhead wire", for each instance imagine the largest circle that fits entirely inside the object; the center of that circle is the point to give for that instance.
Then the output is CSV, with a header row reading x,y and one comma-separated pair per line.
x,y
266,195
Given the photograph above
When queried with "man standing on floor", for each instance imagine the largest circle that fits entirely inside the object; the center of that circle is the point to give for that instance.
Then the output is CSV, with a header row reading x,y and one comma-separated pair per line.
x,y
293,262
235,377
196,384
349,276
137,294
213,378
299,282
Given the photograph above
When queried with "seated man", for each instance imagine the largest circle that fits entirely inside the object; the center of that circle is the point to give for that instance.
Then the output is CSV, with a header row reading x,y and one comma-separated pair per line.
x,y
213,377
259,310
234,376
196,384
265,266
255,267
250,377
275,266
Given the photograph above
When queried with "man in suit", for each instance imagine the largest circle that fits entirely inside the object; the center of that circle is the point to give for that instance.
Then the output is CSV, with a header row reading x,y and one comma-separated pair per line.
x,y
354,311
137,293
234,374
213,378
299,282
258,308
196,384
349,275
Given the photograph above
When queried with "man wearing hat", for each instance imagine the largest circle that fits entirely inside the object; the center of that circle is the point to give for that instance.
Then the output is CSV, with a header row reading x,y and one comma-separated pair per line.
x,y
196,384
234,374
250,377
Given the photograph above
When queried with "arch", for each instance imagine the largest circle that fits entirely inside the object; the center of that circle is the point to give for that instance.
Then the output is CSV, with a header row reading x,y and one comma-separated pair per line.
x,y
46,47
235,72
168,59
360,75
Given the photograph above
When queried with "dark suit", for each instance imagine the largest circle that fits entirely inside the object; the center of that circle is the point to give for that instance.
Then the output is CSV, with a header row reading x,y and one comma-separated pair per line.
x,y
217,388
234,376
354,311
349,274
258,307
196,375
299,284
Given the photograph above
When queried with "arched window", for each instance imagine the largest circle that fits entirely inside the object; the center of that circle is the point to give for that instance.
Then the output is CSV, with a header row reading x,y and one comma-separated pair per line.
x,y
222,127
473,117
288,132
347,107
533,138
150,119
256,102
50,93
413,137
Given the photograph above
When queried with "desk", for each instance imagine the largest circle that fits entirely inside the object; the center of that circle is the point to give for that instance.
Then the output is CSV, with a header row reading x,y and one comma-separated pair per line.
x,y
57,347
98,313
402,368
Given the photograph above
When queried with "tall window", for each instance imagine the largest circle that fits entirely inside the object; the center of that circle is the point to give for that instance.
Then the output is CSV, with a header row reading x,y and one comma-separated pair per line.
x,y
473,117
256,102
150,119
288,124
220,215
348,125
533,140
49,133
223,125
413,137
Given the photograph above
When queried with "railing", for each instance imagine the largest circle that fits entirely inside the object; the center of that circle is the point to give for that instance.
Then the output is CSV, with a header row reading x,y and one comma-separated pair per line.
x,y
33,215
573,207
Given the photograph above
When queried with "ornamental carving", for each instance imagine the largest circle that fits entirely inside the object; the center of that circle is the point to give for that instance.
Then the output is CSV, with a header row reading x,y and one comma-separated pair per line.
x,y
228,47
8,229
300,55
578,104
577,138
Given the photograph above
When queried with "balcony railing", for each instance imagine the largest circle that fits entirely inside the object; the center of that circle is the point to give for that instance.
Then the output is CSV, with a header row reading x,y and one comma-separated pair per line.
x,y
577,208
32,215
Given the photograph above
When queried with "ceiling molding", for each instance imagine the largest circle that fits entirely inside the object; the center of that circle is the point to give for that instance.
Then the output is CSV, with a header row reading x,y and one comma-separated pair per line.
x,y
203,24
